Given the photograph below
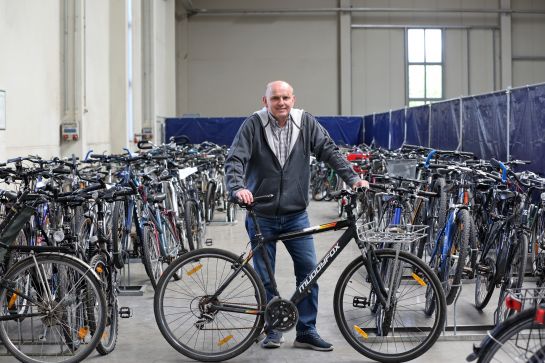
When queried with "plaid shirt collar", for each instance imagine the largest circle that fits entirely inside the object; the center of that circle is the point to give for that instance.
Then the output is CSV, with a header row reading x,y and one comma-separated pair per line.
x,y
281,138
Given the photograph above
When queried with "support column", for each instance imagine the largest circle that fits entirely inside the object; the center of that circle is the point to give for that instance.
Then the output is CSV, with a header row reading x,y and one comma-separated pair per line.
x,y
148,74
345,59
73,74
506,49
119,131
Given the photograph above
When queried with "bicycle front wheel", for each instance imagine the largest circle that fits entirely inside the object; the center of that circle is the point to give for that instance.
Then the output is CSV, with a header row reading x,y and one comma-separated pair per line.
x,y
200,325
53,311
400,331
151,251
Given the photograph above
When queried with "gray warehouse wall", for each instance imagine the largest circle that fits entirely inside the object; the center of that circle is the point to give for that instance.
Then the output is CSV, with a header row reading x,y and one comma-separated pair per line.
x,y
67,61
223,60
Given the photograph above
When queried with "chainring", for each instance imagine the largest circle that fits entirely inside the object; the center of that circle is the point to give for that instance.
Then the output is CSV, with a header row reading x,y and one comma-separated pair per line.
x,y
281,314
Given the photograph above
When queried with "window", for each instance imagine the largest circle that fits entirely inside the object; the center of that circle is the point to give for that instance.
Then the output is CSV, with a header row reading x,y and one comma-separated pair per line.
x,y
425,66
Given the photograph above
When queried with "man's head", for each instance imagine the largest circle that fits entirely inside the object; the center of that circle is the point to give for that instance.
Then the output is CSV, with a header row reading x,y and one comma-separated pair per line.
x,y
279,99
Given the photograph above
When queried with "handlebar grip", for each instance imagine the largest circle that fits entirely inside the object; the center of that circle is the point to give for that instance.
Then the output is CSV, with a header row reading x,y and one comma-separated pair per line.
x,y
426,194
378,186
263,198
499,164
429,157
123,193
61,171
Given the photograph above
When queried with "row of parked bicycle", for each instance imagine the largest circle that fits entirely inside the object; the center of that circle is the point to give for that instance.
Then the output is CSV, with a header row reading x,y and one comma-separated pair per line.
x,y
68,227
484,221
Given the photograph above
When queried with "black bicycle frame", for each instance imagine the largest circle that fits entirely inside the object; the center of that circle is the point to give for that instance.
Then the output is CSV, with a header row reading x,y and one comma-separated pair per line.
x,y
305,286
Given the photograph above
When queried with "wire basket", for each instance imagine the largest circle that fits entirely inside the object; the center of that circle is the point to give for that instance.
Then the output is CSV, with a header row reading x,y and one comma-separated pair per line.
x,y
529,297
402,168
407,233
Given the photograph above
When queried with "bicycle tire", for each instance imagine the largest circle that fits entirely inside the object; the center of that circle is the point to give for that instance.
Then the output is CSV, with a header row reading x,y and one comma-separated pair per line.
x,y
511,329
319,189
191,216
108,339
119,234
55,324
210,201
332,184
151,253
437,212
355,275
175,303
485,278
460,243
514,274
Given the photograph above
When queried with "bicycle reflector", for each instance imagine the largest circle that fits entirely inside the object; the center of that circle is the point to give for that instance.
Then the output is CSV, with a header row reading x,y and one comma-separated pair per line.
x,y
513,303
539,318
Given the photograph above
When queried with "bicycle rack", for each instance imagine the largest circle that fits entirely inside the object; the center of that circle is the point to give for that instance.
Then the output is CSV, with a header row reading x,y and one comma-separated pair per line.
x,y
455,328
125,288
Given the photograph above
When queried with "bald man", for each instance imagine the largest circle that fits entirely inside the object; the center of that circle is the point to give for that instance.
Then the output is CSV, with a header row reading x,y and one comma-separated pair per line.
x,y
271,155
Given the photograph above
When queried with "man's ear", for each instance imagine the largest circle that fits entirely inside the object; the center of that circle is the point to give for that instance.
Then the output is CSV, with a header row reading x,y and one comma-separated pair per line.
x,y
264,101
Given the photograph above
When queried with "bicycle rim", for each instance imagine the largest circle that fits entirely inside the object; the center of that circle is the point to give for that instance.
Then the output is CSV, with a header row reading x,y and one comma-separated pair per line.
x,y
70,310
181,310
410,331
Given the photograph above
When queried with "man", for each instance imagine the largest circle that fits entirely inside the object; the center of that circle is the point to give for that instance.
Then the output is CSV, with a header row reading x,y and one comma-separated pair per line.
x,y
271,155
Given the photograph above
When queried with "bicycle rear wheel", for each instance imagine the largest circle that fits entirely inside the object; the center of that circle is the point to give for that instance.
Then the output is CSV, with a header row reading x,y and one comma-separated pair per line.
x,y
185,312
210,201
107,276
403,331
455,261
119,233
514,274
63,314
516,340
193,225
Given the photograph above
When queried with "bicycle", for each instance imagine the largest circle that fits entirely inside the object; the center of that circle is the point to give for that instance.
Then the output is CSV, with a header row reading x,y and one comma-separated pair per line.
x,y
51,303
520,338
218,307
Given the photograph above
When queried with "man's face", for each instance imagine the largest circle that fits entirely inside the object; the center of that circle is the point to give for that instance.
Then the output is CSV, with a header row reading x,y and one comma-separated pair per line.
x,y
279,100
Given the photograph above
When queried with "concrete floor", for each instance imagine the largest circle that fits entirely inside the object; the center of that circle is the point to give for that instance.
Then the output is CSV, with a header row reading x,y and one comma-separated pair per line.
x,y
140,339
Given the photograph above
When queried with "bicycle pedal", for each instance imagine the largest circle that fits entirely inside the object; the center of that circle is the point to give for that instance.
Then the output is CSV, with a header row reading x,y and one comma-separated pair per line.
x,y
209,242
125,312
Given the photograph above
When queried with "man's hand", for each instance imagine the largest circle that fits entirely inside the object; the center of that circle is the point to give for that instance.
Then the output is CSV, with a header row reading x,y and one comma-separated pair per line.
x,y
244,195
361,184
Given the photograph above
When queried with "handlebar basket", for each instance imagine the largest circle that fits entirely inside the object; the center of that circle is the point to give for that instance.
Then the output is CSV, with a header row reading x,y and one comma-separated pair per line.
x,y
408,233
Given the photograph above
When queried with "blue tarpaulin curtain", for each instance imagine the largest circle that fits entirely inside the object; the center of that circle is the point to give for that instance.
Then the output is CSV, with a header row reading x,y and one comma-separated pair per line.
x,y
397,128
343,129
445,125
368,133
222,130
527,125
381,129
417,121
485,125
